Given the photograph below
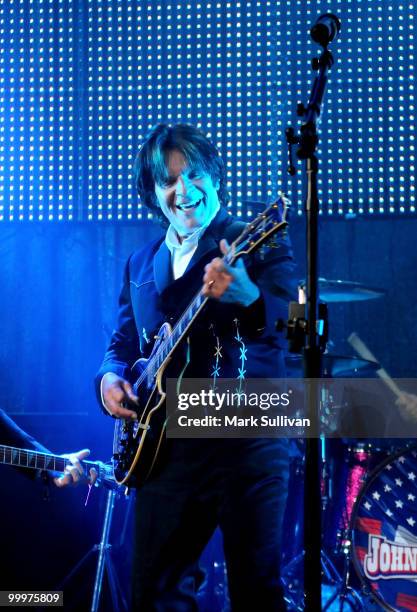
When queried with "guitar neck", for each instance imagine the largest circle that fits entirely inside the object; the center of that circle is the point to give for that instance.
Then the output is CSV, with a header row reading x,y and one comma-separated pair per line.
x,y
36,460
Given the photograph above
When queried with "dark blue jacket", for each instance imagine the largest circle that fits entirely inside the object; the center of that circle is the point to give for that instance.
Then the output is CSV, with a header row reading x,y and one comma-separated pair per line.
x,y
250,345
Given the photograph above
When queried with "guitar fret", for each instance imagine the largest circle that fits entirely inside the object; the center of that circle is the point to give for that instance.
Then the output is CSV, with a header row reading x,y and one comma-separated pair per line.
x,y
49,463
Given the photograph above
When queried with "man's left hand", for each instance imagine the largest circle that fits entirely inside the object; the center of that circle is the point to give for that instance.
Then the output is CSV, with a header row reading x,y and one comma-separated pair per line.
x,y
229,283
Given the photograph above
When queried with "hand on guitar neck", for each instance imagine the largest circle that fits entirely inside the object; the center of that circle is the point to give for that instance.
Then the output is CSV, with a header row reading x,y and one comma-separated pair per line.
x,y
19,449
229,283
116,395
74,473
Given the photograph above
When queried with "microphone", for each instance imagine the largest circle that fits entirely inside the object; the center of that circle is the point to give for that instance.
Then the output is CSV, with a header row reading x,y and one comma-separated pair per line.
x,y
326,29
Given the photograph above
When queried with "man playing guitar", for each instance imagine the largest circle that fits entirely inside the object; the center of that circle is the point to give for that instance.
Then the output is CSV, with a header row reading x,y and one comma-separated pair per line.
x,y
240,484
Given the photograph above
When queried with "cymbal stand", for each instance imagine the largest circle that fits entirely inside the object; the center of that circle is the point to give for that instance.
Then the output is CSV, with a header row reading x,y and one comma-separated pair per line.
x,y
344,593
104,562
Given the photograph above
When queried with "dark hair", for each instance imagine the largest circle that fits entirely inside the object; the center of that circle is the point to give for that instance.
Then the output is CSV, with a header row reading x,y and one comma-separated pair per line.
x,y
150,163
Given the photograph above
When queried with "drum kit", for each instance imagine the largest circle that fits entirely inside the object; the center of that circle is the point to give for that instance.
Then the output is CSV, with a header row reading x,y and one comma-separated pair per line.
x,y
369,499
369,504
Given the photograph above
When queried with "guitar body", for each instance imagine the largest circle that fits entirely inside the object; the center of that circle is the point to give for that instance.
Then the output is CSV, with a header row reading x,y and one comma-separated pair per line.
x,y
142,439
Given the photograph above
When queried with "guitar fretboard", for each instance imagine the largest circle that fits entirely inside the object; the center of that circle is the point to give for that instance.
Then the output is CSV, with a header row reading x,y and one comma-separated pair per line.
x,y
34,459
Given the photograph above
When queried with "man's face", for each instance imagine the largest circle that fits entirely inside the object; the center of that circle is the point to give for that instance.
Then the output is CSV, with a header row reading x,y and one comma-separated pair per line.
x,y
189,198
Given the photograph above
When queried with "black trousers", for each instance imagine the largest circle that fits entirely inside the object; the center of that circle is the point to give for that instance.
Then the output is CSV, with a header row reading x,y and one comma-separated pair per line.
x,y
240,485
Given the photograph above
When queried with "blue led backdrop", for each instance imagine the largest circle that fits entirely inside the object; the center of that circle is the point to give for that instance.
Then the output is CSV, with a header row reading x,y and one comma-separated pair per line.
x,y
82,81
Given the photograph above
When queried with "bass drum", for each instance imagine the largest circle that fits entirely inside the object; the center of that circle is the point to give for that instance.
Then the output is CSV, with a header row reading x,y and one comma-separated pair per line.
x,y
384,532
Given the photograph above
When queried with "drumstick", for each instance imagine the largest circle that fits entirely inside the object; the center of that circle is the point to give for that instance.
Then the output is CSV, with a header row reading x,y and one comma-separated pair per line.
x,y
362,350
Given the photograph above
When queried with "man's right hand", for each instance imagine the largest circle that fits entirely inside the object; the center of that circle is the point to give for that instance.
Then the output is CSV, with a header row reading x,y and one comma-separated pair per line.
x,y
117,394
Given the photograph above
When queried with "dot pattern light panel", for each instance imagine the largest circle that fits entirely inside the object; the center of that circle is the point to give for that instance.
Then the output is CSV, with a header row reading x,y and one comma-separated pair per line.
x,y
83,81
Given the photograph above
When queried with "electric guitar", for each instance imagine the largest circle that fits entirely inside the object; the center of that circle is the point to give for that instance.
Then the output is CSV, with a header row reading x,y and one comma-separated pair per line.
x,y
19,457
136,444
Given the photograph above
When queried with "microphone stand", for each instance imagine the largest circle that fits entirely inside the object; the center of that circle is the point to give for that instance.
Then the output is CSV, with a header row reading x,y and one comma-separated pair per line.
x,y
305,327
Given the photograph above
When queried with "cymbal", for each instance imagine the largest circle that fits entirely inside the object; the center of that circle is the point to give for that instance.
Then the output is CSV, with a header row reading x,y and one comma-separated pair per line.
x,y
345,291
335,366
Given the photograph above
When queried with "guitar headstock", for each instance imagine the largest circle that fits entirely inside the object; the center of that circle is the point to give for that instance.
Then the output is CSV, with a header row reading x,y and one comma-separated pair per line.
x,y
268,223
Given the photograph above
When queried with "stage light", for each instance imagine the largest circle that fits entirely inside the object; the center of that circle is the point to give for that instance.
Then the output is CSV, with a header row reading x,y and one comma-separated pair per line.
x,y
75,122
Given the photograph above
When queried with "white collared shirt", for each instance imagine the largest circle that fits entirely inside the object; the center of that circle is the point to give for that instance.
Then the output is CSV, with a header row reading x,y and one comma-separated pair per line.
x,y
182,252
